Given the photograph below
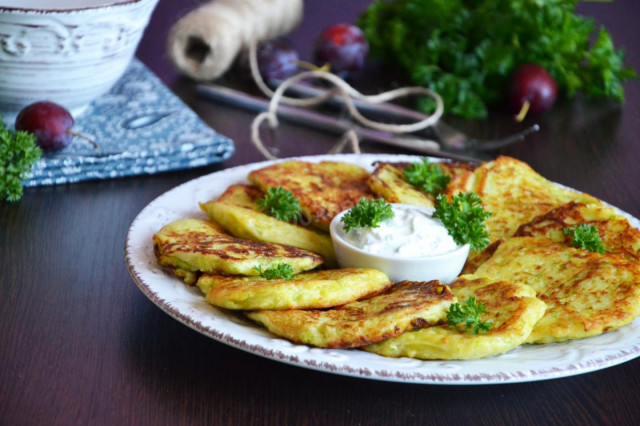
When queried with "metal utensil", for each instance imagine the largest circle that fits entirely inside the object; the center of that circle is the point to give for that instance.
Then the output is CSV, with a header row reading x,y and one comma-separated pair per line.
x,y
327,123
446,135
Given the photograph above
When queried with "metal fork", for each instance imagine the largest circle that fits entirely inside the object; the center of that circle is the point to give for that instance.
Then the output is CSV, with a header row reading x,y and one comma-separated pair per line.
x,y
448,136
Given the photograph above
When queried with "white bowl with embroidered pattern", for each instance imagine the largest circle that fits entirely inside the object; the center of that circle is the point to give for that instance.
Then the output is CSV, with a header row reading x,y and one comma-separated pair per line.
x,y
66,51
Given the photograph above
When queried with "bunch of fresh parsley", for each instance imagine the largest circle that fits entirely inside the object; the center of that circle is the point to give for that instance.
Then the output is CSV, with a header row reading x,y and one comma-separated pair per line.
x,y
280,203
469,315
466,50
586,237
427,177
367,214
464,217
18,152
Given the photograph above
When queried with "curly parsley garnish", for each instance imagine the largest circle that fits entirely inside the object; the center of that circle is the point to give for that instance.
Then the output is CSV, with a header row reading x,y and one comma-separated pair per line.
x,y
278,271
280,203
469,315
585,237
367,214
427,177
464,219
18,152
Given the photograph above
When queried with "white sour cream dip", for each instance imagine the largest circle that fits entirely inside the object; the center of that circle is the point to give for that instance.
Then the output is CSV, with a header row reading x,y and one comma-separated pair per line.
x,y
412,232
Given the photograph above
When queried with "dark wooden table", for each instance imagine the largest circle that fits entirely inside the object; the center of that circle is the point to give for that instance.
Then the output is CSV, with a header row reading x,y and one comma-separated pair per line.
x,y
81,345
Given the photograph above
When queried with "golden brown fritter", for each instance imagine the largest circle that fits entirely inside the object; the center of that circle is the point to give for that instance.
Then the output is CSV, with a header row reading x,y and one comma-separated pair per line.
x,y
387,180
189,246
242,195
514,193
616,233
324,189
586,293
315,289
238,213
406,306
512,309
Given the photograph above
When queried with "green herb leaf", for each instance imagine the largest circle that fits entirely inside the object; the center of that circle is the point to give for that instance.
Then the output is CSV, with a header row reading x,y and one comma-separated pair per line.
x,y
464,219
427,177
586,237
469,315
367,214
467,50
278,271
280,203
18,152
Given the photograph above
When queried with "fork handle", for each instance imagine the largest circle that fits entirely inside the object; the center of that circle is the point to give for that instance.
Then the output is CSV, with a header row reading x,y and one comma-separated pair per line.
x,y
382,109
449,137
325,123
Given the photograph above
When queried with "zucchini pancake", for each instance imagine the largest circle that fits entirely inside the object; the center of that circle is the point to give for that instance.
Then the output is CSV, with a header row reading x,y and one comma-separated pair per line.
x,y
237,211
586,293
617,234
189,246
514,193
533,284
406,306
387,180
512,310
316,289
324,189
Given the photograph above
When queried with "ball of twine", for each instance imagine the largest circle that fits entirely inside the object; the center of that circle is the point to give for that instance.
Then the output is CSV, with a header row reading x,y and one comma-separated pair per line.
x,y
205,42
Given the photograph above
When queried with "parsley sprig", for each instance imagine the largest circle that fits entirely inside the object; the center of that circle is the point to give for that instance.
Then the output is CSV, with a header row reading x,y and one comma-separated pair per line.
x,y
586,237
280,203
464,217
466,51
469,315
18,152
367,214
278,271
427,177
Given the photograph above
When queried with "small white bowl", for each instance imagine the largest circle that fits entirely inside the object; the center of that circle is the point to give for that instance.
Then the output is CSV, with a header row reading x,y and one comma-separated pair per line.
x,y
443,267
66,51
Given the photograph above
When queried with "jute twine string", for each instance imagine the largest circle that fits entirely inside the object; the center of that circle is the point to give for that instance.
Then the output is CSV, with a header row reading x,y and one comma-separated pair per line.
x,y
341,88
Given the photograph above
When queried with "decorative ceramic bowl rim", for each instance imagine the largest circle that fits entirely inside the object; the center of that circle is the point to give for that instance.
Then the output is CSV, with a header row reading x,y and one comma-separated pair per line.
x,y
113,4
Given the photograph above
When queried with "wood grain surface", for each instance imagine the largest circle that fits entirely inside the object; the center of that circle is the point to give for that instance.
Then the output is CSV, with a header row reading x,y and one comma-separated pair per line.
x,y
81,345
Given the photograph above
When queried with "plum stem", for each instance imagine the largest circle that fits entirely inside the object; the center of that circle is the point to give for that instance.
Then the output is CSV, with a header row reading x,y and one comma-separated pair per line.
x,y
81,136
313,67
523,111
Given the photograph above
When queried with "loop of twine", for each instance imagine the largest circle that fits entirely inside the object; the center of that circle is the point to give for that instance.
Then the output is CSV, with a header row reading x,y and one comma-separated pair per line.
x,y
341,88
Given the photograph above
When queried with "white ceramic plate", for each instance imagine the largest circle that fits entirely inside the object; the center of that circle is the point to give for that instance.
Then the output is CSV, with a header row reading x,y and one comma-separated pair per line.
x,y
526,363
